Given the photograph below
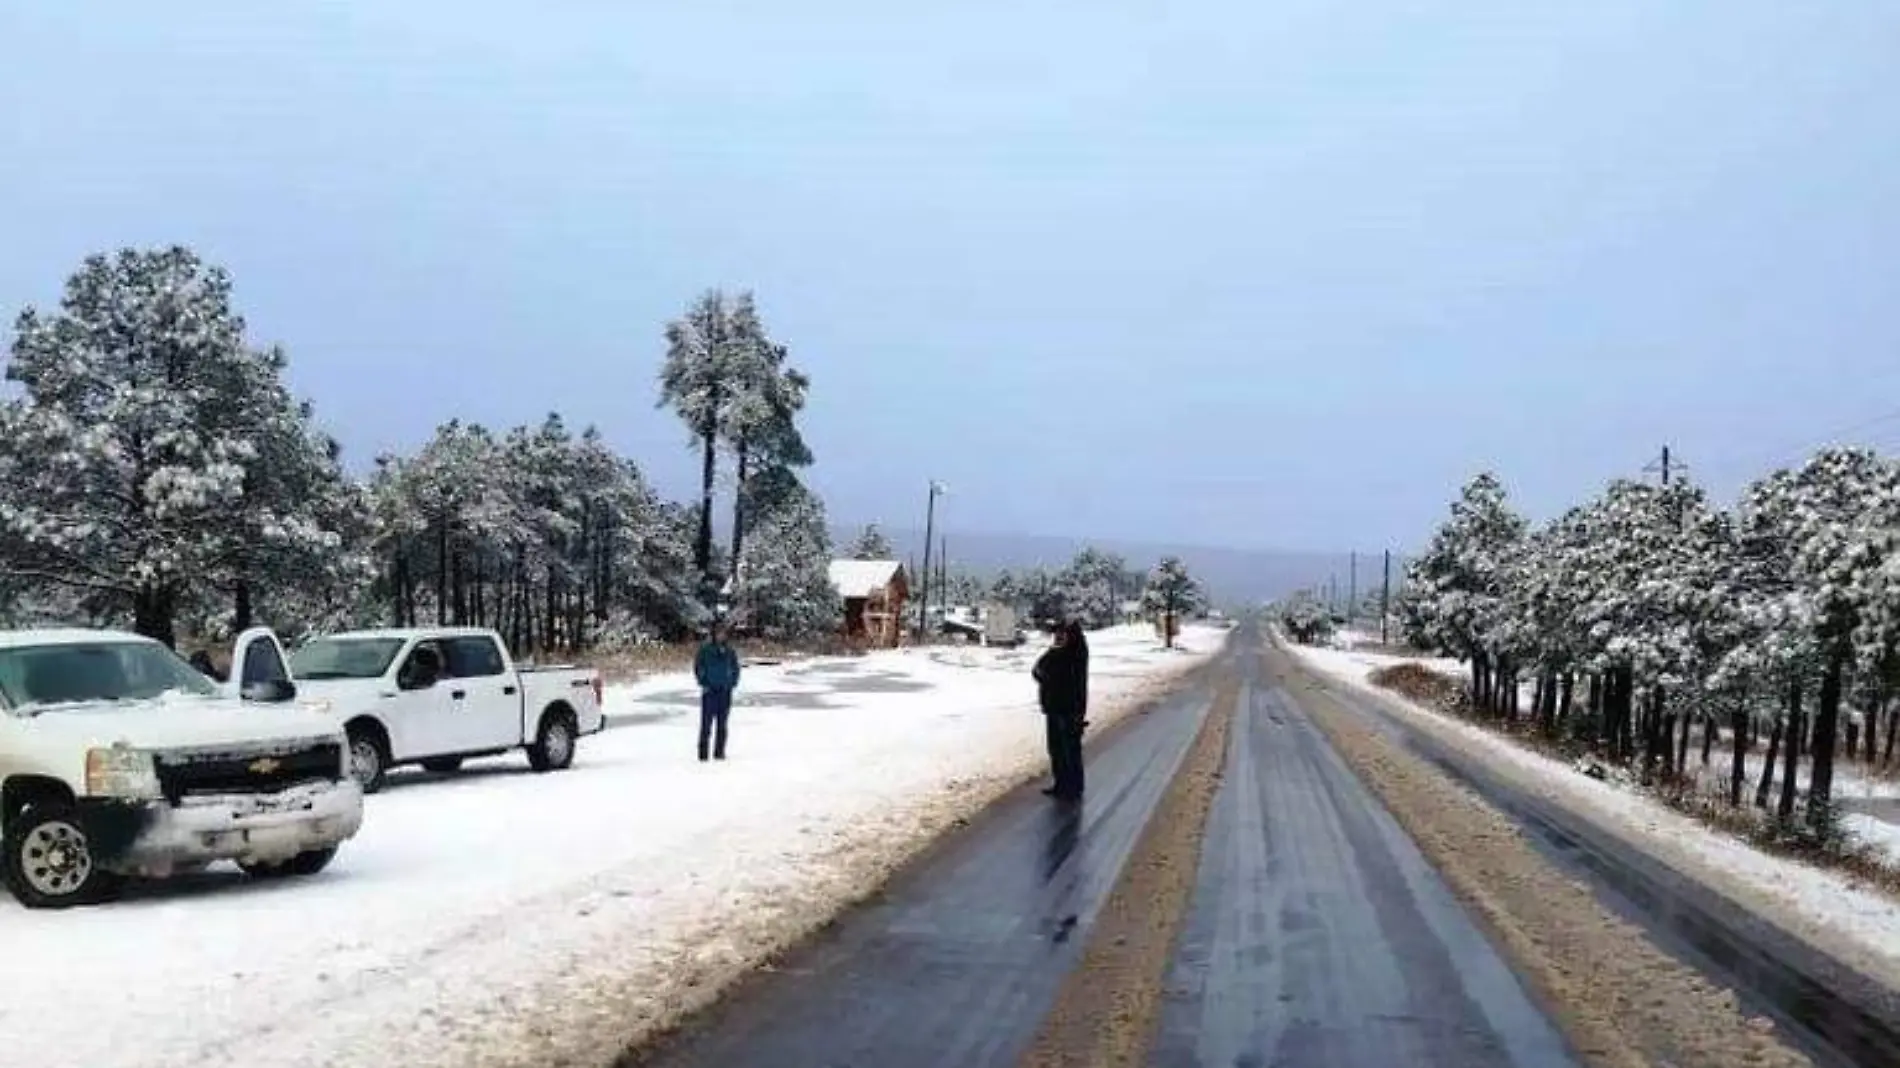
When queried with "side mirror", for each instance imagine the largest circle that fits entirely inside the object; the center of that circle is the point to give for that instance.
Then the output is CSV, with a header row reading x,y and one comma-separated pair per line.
x,y
269,691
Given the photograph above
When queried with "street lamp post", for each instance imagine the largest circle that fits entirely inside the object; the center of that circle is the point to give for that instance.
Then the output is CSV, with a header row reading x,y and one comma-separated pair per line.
x,y
930,533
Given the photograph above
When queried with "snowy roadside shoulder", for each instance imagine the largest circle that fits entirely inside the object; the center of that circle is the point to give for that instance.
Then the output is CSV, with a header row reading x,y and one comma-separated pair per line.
x,y
1830,910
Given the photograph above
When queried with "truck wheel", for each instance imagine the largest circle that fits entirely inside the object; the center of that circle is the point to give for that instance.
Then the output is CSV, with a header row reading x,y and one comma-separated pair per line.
x,y
369,759
49,864
306,863
442,765
553,747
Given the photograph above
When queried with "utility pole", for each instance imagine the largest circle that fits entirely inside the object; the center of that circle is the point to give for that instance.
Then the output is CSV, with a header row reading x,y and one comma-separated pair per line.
x,y
1352,590
943,568
1667,465
930,534
1385,597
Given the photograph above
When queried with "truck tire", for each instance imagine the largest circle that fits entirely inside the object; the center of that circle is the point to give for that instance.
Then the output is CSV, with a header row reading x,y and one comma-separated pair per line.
x,y
307,863
553,747
49,863
369,758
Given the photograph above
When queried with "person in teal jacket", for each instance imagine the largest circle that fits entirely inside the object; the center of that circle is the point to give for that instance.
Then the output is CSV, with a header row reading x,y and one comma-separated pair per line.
x,y
717,669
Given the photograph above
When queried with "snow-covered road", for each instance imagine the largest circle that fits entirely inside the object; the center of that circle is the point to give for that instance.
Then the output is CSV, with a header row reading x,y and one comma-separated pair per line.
x,y
1828,909
502,917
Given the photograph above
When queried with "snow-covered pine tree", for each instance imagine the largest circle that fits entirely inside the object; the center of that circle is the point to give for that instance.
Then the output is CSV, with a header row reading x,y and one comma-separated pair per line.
x,y
964,587
145,418
656,573
1839,515
1305,618
1171,594
696,381
1046,596
1455,587
783,590
295,553
871,544
1092,585
760,421
1007,591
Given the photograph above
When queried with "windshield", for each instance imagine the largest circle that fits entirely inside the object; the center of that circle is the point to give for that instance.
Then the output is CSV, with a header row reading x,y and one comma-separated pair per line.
x,y
344,658
33,675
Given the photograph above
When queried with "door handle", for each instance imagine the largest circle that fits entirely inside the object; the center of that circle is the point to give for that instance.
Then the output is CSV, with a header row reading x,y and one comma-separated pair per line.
x,y
457,695
509,690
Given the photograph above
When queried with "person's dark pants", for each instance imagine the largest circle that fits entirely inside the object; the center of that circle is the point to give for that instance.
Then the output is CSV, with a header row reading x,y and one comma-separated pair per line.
x,y
714,707
1065,753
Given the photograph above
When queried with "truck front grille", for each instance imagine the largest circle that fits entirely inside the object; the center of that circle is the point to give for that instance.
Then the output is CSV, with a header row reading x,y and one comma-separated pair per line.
x,y
187,774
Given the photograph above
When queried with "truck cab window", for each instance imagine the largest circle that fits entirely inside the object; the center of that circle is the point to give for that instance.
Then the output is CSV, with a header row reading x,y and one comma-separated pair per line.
x,y
474,658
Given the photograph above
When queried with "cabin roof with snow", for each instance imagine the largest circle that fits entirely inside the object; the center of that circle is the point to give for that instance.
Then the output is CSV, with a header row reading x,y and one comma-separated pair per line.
x,y
864,578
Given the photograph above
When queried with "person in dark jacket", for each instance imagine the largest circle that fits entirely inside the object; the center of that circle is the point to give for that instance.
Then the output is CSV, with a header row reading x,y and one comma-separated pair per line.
x,y
716,667
1062,679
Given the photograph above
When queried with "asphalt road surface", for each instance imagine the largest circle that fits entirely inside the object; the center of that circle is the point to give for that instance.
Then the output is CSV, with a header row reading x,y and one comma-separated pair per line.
x,y
958,960
1319,936
1316,935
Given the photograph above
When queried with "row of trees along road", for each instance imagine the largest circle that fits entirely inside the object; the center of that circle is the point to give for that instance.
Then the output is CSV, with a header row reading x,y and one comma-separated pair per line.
x,y
155,472
1648,612
1091,588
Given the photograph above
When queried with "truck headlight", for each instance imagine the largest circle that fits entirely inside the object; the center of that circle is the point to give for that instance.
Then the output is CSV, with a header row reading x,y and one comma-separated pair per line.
x,y
121,772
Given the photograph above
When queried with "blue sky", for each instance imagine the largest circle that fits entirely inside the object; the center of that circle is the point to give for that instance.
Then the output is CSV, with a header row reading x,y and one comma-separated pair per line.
x,y
1260,275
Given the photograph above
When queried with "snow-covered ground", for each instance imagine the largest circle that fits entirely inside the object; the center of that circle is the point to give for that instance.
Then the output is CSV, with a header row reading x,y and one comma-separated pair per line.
x,y
1830,909
502,917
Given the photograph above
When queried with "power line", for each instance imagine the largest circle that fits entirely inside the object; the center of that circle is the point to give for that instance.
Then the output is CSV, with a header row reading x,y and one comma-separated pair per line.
x,y
1788,452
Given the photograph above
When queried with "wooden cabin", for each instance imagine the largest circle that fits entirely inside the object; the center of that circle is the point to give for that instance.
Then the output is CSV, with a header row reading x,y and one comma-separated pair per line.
x,y
874,594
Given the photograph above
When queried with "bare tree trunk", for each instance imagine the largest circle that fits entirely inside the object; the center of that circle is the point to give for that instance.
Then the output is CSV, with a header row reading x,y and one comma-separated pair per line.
x,y
1768,766
241,612
458,587
740,459
1738,771
1652,732
702,546
154,609
442,570
1626,709
478,581
1791,754
1826,726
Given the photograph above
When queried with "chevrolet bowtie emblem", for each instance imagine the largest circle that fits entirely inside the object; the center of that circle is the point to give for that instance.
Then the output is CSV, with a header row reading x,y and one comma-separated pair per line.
x,y
264,765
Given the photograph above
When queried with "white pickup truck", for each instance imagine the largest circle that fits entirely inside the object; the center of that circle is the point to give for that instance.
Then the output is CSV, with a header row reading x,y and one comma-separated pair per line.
x,y
439,696
117,758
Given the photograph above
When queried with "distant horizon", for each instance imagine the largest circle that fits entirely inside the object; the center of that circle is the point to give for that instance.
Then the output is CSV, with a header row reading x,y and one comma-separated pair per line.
x,y
915,532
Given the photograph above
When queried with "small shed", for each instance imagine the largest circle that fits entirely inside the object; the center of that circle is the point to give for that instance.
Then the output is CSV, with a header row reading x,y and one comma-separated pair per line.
x,y
874,593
